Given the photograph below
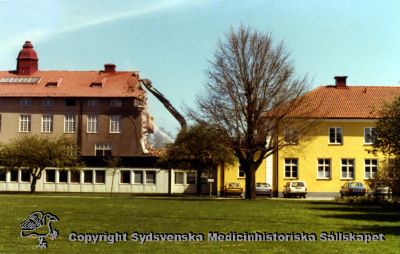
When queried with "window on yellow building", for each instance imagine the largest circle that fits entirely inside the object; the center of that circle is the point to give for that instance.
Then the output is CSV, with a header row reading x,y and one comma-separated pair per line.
x,y
291,168
242,173
371,167
291,136
335,135
324,168
369,135
347,168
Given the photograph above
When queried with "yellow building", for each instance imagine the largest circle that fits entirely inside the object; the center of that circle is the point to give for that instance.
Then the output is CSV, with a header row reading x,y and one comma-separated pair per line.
x,y
336,149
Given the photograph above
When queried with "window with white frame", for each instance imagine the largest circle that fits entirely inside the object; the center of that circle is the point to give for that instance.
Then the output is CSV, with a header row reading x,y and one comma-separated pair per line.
x,y
50,176
25,123
100,176
26,102
3,175
115,124
324,168
369,135
103,150
371,167
48,102
14,175
47,123
291,167
335,135
125,176
69,124
291,136
92,123
116,103
179,177
74,176
347,169
138,177
62,176
151,177
93,102
25,176
88,176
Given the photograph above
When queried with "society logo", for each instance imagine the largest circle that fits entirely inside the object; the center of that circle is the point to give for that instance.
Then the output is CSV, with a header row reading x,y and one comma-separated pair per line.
x,y
39,225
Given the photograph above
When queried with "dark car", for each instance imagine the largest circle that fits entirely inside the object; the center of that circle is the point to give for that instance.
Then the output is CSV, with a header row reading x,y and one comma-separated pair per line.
x,y
263,189
353,189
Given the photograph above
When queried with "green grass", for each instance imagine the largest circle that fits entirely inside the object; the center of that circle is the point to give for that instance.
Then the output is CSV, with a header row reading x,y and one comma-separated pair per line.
x,y
125,213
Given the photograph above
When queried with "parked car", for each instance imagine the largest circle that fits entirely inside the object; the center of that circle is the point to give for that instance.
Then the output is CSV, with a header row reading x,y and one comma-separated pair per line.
x,y
295,188
263,189
379,190
233,188
353,189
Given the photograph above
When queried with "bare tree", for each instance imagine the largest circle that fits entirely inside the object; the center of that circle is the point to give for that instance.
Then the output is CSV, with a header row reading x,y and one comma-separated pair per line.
x,y
252,93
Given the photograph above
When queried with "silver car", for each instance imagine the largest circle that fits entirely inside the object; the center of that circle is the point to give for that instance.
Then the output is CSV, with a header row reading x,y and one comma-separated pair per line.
x,y
263,189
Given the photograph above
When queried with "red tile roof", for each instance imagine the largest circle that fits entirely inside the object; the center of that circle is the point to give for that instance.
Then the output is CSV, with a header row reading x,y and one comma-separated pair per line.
x,y
351,102
74,84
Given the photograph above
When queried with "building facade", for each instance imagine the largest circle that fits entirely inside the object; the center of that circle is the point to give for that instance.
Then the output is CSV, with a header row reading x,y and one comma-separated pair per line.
x,y
336,148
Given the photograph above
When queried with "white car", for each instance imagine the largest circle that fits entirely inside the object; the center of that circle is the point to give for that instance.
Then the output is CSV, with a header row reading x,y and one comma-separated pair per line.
x,y
295,188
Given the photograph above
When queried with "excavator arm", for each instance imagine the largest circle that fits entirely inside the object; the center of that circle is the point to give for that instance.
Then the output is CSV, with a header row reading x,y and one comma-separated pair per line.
x,y
165,102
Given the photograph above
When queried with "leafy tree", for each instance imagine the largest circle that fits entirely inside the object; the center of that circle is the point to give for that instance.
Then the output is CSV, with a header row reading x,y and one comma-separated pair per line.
x,y
252,93
34,153
201,148
387,141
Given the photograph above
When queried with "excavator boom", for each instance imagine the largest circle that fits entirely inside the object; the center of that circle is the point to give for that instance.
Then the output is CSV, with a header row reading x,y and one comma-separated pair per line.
x,y
165,102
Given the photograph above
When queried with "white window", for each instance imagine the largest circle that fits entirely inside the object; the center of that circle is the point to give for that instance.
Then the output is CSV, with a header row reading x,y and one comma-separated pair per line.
x,y
26,102
369,135
151,177
88,176
93,102
125,176
335,135
138,177
291,168
324,168
103,150
48,102
47,123
25,123
347,168
100,176
115,124
371,167
179,177
116,103
92,124
69,124
291,136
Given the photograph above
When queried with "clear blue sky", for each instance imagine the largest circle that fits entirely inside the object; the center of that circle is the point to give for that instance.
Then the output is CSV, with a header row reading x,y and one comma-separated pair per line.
x,y
170,41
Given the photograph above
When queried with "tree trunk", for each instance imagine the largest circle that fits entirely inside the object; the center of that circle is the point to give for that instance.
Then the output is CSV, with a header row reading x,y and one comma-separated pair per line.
x,y
250,180
33,184
198,185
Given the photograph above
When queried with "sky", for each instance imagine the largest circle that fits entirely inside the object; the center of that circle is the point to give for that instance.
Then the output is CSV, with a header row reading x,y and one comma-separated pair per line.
x,y
171,42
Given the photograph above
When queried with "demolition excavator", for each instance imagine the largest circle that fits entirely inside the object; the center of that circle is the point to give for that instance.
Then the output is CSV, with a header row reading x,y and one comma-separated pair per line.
x,y
165,102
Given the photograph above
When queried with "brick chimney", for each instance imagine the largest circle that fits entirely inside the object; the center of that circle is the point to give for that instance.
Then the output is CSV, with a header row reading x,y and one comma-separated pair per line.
x,y
340,81
109,68
27,61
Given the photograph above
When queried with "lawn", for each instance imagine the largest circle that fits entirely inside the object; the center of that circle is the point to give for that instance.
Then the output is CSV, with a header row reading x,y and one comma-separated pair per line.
x,y
99,214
